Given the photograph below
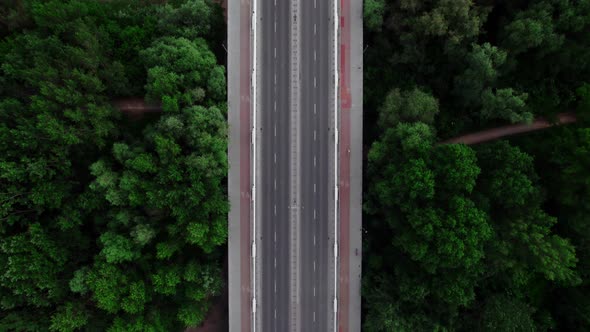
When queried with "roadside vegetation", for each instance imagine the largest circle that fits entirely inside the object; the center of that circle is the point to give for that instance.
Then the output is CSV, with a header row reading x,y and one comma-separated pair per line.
x,y
493,237
108,224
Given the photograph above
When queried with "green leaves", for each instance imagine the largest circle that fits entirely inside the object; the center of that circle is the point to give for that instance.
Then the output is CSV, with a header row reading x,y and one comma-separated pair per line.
x,y
192,19
477,87
408,106
137,298
440,239
176,65
464,238
417,181
505,104
78,284
502,313
482,71
32,264
166,250
162,82
532,28
522,227
166,280
69,318
510,175
216,83
91,204
108,285
458,170
117,248
373,14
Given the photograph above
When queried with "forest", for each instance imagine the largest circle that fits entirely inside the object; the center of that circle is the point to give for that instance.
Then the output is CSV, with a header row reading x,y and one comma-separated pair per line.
x,y
487,237
108,224
115,224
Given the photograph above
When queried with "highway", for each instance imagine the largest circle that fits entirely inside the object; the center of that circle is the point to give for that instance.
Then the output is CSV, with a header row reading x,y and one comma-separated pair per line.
x,y
274,182
315,163
295,155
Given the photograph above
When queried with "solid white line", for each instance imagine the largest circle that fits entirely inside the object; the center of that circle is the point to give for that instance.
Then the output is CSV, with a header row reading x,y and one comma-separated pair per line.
x,y
254,126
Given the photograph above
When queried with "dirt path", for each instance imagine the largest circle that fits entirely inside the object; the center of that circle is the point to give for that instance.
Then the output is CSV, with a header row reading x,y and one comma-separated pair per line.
x,y
509,130
135,107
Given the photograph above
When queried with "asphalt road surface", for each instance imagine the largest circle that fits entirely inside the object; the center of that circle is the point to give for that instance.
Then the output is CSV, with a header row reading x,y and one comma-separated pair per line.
x,y
315,191
274,112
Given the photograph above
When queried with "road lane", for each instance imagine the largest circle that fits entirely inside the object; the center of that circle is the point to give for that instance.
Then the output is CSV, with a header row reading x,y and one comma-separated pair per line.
x,y
315,248
274,184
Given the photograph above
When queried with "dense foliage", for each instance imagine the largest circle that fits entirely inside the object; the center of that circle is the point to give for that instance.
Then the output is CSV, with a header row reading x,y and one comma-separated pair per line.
x,y
107,224
492,237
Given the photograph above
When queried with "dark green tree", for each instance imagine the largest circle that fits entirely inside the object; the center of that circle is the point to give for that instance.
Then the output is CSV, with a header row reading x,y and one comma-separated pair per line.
x,y
373,14
97,214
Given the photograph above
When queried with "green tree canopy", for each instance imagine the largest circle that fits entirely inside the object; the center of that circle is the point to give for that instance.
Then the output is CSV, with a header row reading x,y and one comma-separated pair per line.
x,y
98,213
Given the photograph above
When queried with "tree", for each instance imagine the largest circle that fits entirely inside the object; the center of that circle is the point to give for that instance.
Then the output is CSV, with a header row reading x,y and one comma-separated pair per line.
x,y
191,20
502,313
505,104
373,14
477,87
173,64
460,238
438,236
408,106
524,238
532,28
97,213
